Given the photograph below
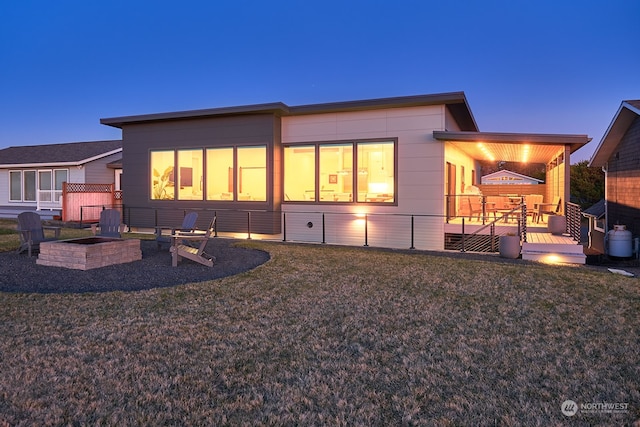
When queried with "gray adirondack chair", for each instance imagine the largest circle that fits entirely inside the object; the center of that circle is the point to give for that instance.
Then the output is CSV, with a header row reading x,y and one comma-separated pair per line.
x,y
31,232
181,250
188,226
109,225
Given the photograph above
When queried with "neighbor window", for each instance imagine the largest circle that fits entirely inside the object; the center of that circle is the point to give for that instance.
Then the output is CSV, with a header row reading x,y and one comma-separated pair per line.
x,y
162,177
29,186
366,177
15,186
22,185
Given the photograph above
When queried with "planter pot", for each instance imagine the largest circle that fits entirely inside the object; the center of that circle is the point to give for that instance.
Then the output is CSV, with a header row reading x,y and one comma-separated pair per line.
x,y
510,246
557,224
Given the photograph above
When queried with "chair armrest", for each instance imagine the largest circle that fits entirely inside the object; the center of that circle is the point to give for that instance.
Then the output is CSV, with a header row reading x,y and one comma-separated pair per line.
x,y
56,230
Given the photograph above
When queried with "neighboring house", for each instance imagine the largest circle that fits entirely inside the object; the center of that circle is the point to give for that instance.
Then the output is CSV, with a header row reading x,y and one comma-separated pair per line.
x,y
507,177
618,154
32,177
383,172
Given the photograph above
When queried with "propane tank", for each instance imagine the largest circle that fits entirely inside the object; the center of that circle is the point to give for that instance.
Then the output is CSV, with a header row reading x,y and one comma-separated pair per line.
x,y
620,244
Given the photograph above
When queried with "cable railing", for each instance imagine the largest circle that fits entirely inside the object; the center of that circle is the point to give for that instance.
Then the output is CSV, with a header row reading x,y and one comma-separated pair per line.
x,y
462,233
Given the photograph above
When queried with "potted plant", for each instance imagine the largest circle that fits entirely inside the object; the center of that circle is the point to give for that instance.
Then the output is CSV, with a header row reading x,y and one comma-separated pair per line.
x,y
510,246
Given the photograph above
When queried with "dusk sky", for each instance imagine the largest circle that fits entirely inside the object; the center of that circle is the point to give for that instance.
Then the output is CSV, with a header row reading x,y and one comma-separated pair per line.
x,y
525,66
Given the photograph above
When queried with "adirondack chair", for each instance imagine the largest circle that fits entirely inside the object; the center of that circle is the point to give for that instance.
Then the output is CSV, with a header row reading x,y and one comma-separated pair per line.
x,y
32,232
188,226
109,225
181,250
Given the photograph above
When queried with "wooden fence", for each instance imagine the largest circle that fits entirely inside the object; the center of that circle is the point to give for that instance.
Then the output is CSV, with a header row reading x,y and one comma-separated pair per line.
x,y
77,195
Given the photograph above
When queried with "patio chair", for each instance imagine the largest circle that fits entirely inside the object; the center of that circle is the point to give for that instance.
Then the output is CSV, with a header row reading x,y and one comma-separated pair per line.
x,y
475,208
188,226
109,225
549,208
31,232
181,250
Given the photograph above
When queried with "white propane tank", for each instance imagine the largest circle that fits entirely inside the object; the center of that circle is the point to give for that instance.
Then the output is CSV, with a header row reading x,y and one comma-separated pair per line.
x,y
620,242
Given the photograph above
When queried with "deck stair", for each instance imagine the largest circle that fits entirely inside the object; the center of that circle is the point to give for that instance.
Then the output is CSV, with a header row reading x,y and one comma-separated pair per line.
x,y
546,247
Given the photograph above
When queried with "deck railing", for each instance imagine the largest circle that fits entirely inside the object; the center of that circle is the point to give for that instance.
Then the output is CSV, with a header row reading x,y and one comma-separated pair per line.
x,y
573,213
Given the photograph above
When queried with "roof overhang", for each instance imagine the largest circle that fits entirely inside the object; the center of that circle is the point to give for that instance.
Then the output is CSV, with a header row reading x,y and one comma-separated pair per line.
x,y
456,102
623,118
512,147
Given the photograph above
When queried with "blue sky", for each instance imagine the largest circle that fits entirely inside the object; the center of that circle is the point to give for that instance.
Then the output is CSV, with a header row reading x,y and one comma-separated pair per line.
x,y
541,66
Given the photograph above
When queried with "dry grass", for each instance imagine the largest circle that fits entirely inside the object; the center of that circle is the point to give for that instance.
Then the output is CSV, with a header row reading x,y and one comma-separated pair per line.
x,y
326,335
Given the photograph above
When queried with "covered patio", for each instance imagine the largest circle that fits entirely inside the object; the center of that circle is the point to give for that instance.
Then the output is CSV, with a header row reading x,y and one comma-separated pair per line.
x,y
504,208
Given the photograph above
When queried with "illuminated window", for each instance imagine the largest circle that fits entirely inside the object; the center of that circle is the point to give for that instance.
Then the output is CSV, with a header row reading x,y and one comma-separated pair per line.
x,y
376,172
162,175
373,177
300,173
336,172
190,175
252,173
220,174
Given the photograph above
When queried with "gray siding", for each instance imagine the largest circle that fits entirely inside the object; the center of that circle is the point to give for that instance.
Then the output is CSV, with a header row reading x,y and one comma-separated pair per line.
x,y
251,129
623,181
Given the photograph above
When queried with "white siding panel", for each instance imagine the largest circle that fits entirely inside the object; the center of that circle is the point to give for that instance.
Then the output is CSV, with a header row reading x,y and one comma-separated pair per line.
x,y
420,180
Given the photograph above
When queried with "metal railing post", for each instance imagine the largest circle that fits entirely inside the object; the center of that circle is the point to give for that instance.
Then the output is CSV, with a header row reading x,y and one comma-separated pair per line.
x,y
323,233
412,233
366,229
284,226
462,250
248,225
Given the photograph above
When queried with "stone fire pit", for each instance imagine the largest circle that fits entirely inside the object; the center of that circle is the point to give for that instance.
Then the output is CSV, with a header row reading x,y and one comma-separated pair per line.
x,y
89,252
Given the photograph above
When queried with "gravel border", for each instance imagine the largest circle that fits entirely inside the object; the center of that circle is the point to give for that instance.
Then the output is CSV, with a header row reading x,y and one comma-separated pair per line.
x,y
20,273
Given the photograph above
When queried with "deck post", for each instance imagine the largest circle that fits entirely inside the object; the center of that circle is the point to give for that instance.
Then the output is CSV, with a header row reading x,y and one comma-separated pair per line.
x,y
284,226
462,249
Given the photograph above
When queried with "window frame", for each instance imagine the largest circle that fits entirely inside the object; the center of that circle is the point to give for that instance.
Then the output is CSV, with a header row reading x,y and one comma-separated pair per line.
x,y
354,142
204,149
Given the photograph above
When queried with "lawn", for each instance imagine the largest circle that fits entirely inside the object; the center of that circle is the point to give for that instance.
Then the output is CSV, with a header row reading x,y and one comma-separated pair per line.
x,y
324,335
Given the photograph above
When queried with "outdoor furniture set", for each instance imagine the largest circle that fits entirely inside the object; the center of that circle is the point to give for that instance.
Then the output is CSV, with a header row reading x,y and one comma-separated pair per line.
x,y
108,232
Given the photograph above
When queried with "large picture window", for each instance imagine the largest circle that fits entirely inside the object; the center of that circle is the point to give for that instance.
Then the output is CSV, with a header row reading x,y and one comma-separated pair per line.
x,y
300,173
231,173
190,175
252,173
162,175
220,174
359,171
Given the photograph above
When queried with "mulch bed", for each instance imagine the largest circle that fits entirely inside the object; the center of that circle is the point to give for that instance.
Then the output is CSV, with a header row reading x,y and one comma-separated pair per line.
x,y
20,273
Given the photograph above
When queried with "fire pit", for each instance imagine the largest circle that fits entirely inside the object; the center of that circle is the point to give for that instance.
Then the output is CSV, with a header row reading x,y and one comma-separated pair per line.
x,y
89,252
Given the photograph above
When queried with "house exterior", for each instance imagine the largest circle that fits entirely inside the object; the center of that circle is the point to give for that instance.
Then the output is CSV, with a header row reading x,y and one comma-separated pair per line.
x,y
618,154
32,177
382,172
506,177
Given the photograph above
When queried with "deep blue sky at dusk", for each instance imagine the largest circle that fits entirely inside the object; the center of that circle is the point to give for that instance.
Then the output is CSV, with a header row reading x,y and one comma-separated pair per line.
x,y
546,66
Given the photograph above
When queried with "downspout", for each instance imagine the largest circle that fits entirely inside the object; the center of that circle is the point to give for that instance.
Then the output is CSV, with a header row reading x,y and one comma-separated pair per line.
x,y
605,169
